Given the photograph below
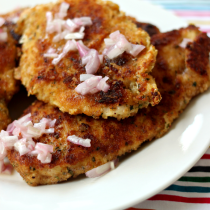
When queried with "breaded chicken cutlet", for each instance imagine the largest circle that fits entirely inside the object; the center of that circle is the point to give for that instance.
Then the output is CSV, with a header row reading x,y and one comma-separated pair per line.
x,y
8,61
131,84
148,27
180,74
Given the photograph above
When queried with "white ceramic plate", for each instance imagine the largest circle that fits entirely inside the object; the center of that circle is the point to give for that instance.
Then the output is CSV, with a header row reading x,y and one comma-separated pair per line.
x,y
141,174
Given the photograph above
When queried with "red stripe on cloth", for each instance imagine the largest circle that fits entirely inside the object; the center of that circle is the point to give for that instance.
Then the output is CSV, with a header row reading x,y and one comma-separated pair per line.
x,y
179,199
138,209
192,13
206,156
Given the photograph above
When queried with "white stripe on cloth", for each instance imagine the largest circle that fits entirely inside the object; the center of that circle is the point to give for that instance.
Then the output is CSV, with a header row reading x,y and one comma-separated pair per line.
x,y
184,194
203,162
168,205
194,184
208,151
197,174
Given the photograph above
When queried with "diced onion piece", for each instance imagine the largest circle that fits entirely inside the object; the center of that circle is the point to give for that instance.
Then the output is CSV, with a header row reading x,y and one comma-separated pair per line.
x,y
101,58
25,119
3,151
49,17
3,36
52,55
4,133
184,42
117,44
9,141
114,52
102,85
101,170
76,35
136,49
70,46
63,10
80,141
8,169
83,50
2,21
24,146
14,19
93,81
83,21
34,131
51,123
109,42
115,36
82,89
43,152
93,85
70,25
27,130
84,77
92,61
2,166
50,130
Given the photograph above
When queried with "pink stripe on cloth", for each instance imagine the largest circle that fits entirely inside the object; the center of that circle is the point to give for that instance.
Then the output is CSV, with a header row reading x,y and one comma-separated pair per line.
x,y
192,13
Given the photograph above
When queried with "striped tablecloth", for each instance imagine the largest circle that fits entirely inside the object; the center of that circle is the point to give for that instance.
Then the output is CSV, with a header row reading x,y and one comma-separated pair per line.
x,y
192,191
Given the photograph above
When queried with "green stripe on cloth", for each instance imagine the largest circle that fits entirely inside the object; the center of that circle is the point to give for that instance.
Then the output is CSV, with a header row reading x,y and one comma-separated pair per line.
x,y
189,189
194,179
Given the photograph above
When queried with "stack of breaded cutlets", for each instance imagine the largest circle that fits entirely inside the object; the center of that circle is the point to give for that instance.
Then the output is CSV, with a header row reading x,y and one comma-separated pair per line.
x,y
146,92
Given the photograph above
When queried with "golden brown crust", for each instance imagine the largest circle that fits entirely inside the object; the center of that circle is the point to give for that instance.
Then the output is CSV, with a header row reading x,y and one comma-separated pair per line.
x,y
148,27
56,84
111,138
8,61
4,115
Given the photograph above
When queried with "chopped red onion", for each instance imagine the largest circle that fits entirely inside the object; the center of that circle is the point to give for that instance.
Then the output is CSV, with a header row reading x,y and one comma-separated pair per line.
x,y
80,141
70,25
92,85
92,61
50,130
136,49
3,36
7,169
83,50
2,166
63,10
9,141
101,170
49,17
70,46
184,42
84,77
3,151
52,55
113,52
76,35
83,21
2,21
101,58
118,44
43,152
19,135
102,85
24,146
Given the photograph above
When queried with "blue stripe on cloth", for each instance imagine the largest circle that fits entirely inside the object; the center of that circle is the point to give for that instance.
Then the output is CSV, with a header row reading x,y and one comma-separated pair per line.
x,y
188,189
183,5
